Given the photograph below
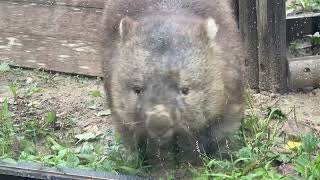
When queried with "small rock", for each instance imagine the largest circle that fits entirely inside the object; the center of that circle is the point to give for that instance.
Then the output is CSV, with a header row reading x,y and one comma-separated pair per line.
x,y
273,95
266,93
287,169
29,80
61,114
29,104
35,104
58,78
11,101
314,92
93,107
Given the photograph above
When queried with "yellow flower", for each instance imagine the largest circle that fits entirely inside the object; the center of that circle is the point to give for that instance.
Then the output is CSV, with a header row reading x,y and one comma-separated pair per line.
x,y
292,145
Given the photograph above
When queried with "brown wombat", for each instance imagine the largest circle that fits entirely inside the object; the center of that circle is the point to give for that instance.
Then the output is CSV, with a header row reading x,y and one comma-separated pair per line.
x,y
173,76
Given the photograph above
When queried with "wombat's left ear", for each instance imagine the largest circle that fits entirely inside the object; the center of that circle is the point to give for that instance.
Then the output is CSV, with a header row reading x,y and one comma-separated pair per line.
x,y
126,27
211,28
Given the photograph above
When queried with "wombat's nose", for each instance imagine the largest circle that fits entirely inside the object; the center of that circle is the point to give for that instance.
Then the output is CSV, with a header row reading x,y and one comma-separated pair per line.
x,y
159,120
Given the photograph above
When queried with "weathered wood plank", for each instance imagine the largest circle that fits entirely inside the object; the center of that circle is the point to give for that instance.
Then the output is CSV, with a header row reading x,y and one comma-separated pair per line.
x,y
304,72
62,55
99,4
54,21
248,29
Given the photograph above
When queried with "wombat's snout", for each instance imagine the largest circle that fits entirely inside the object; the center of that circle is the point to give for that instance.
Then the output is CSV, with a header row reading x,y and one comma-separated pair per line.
x,y
159,121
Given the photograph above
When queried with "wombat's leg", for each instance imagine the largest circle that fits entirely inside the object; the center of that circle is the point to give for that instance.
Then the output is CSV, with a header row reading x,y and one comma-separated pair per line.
x,y
216,144
188,150
161,156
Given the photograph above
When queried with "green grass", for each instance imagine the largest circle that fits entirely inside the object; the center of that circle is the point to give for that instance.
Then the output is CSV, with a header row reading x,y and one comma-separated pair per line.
x,y
314,39
6,132
37,139
262,149
89,153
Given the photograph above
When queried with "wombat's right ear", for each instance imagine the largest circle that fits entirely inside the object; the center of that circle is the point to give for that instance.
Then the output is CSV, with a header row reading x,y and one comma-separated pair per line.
x,y
207,30
127,27
211,28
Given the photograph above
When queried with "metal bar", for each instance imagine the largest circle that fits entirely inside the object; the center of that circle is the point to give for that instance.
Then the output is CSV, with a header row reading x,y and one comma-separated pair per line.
x,y
38,171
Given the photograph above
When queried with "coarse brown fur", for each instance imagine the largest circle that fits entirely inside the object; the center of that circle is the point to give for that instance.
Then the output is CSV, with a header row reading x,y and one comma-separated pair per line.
x,y
167,44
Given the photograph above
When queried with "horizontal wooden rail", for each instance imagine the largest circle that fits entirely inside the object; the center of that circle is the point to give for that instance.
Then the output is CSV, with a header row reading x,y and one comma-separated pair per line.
x,y
99,4
55,54
304,15
52,21
304,72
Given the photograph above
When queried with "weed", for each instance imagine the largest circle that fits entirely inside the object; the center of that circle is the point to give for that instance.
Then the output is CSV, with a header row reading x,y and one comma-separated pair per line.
x,y
255,158
51,118
315,43
314,39
34,88
4,67
300,6
294,47
96,93
260,154
13,89
6,131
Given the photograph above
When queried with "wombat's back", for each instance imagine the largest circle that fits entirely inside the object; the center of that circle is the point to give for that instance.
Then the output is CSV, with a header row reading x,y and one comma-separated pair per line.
x,y
221,11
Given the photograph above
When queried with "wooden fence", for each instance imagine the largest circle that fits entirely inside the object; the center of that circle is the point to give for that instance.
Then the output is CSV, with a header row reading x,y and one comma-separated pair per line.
x,y
263,28
263,25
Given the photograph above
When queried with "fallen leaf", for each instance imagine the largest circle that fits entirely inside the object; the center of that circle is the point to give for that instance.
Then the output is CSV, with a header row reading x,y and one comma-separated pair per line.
x,y
104,113
93,129
93,107
292,145
4,67
85,136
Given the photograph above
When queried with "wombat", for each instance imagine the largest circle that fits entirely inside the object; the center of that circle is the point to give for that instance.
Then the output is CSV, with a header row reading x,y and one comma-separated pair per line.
x,y
173,75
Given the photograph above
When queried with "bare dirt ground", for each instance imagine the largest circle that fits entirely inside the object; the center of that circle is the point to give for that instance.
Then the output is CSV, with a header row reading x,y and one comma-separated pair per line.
x,y
80,100
76,100
302,109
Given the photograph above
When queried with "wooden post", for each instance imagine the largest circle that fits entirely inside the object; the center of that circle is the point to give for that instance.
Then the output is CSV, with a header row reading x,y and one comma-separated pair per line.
x,y
264,43
279,63
248,30
273,64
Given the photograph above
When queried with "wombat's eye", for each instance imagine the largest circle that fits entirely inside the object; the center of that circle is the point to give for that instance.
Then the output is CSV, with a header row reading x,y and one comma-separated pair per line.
x,y
137,90
185,91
